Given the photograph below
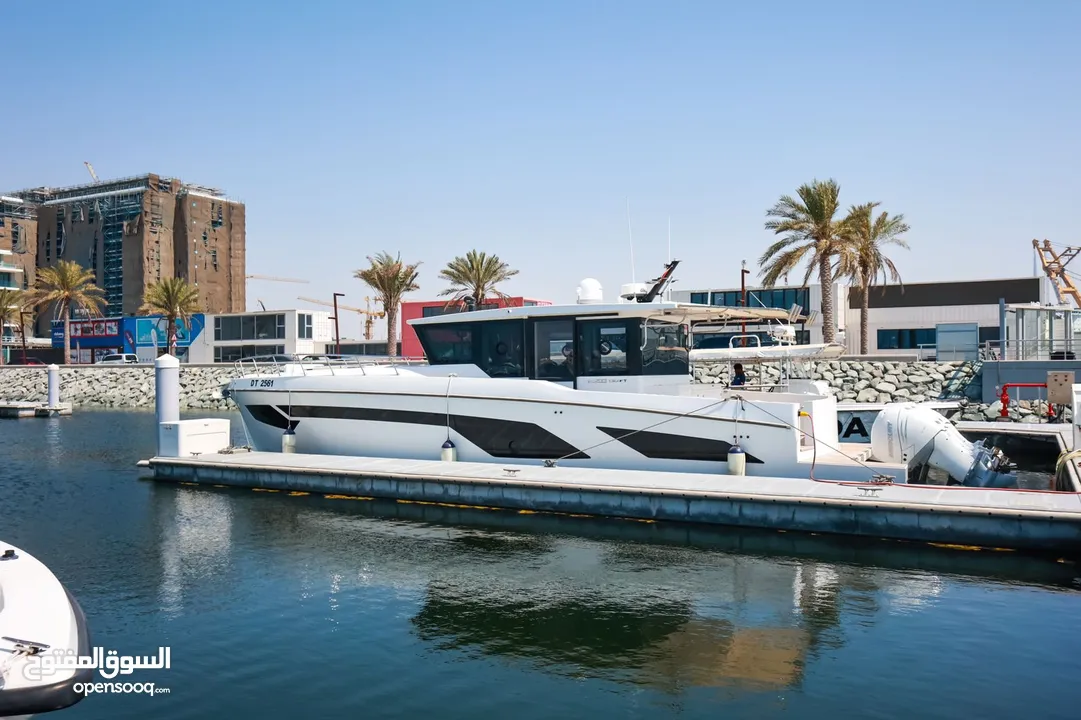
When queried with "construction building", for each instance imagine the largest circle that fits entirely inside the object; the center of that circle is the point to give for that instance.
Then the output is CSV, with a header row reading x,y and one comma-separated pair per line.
x,y
18,242
132,232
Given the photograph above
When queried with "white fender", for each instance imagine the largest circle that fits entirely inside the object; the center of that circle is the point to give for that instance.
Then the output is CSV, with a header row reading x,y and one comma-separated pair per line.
x,y
911,434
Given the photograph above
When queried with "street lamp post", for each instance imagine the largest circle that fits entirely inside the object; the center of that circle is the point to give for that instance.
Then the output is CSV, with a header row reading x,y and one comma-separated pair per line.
x,y
22,330
337,337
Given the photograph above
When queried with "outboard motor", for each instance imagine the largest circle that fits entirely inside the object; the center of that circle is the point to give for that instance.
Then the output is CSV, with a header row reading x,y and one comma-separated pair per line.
x,y
915,435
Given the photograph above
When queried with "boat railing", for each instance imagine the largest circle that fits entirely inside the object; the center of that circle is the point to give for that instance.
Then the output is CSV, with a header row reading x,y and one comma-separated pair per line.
x,y
317,364
748,336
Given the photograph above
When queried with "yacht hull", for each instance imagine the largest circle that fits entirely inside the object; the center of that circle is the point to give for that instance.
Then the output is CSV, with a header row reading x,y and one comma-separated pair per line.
x,y
517,421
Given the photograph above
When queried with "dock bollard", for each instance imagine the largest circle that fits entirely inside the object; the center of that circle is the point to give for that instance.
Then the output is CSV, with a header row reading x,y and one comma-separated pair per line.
x,y
53,396
166,392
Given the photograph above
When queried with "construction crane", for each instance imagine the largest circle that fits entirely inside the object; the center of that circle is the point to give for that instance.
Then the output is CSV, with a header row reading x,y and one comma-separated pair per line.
x,y
274,279
369,314
1054,265
91,169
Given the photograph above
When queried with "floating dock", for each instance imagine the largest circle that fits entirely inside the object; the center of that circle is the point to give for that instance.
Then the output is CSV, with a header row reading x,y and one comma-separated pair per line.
x,y
51,407
1050,438
1038,521
197,452
33,409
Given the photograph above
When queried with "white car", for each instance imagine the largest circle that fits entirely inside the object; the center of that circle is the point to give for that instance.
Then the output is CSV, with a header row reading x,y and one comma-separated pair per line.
x,y
119,359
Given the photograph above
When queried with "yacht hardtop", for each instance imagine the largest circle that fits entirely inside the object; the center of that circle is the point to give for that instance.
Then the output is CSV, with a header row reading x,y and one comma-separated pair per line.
x,y
584,345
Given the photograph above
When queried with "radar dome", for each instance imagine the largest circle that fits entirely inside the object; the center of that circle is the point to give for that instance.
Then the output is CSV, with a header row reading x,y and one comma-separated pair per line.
x,y
590,291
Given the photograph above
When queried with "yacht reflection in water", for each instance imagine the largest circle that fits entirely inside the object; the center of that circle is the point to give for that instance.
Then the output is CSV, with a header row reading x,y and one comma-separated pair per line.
x,y
751,623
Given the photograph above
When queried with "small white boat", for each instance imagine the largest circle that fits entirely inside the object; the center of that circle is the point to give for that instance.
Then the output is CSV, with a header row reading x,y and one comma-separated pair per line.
x,y
37,616
778,351
793,372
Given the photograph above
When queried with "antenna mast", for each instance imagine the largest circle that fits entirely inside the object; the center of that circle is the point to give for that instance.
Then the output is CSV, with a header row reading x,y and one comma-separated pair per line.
x,y
630,237
669,293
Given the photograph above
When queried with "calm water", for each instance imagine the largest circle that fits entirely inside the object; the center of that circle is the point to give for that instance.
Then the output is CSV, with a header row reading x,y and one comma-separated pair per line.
x,y
283,607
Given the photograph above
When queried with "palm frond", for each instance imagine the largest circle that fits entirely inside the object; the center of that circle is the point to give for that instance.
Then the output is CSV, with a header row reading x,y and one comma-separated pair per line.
x,y
806,223
476,275
12,304
68,286
171,297
862,257
389,277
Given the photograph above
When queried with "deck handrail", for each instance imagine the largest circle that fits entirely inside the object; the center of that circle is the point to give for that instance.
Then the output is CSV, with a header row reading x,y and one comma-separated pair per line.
x,y
279,364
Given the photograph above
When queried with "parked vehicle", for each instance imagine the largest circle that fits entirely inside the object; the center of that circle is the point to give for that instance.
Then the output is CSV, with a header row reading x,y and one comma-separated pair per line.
x,y
119,359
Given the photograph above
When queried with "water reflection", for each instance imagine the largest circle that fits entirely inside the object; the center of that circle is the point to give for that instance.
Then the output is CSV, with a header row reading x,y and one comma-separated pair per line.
x,y
195,542
737,622
665,608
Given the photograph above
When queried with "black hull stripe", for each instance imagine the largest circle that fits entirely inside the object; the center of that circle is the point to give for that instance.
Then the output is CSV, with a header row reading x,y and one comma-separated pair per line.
x,y
662,446
499,438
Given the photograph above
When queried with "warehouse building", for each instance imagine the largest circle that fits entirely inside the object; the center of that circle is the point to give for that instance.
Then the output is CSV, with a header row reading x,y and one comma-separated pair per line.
x,y
901,318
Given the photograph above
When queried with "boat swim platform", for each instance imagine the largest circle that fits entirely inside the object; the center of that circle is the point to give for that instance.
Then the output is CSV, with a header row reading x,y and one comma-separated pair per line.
x,y
971,517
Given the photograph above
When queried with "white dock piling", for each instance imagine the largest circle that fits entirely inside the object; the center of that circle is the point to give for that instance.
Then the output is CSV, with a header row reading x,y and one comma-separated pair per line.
x,y
166,392
53,397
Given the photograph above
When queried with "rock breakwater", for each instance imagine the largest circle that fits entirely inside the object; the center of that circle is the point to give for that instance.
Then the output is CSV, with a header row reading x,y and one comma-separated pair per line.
x,y
850,381
117,387
872,381
856,380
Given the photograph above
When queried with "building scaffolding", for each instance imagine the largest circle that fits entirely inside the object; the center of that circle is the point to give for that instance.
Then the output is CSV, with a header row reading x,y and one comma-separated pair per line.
x,y
12,210
114,214
101,223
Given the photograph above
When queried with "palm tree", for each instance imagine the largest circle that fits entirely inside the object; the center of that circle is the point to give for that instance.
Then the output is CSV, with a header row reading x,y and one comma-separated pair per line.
x,y
11,306
475,276
390,278
810,233
67,285
175,299
862,258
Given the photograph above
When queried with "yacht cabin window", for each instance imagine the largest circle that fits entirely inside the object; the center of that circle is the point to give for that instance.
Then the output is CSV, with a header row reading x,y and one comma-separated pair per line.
x,y
603,347
502,348
560,349
664,349
553,349
447,344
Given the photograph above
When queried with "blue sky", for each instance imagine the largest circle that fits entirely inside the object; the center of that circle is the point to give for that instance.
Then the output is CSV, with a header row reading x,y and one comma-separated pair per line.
x,y
431,128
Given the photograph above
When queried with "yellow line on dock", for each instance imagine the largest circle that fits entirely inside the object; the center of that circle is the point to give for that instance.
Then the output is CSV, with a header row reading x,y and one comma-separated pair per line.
x,y
346,497
975,548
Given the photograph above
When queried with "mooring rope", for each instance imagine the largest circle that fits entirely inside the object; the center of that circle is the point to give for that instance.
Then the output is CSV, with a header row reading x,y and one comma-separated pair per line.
x,y
551,463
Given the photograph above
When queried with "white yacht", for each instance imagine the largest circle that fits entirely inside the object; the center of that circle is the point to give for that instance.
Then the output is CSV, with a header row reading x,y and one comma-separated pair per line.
x,y
594,384
37,616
